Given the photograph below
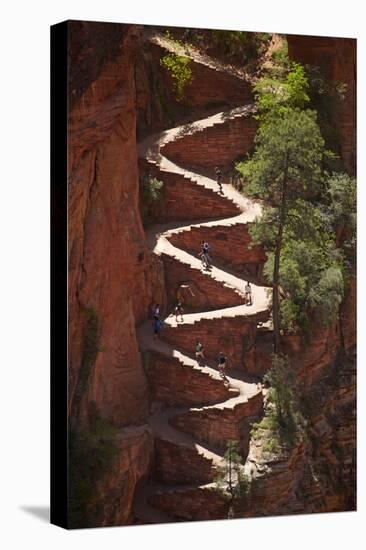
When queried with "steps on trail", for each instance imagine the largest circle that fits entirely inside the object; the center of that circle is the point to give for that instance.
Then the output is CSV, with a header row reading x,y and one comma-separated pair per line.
x,y
176,378
182,195
213,141
190,503
216,425
194,413
212,80
215,290
182,464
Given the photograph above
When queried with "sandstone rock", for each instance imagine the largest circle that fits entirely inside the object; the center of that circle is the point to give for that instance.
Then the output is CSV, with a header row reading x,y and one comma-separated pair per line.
x,y
336,58
111,269
115,491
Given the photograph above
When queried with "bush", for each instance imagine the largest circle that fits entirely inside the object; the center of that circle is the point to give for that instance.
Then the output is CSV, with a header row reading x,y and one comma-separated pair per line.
x,y
180,71
231,481
91,455
150,193
328,293
240,46
280,56
282,422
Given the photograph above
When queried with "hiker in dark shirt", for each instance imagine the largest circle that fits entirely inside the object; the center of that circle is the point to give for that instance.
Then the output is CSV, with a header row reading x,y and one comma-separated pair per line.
x,y
204,255
221,364
218,177
156,312
248,294
178,310
207,251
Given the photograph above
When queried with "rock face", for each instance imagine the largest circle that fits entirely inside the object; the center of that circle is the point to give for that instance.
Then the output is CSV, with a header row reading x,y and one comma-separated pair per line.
x,y
113,277
111,270
336,58
115,491
318,473
211,88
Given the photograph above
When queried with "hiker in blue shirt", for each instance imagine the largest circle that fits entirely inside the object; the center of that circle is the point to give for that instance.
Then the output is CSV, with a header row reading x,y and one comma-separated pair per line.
x,y
157,327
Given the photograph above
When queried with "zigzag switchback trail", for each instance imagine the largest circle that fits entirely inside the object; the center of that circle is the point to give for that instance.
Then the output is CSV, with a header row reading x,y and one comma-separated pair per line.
x,y
196,412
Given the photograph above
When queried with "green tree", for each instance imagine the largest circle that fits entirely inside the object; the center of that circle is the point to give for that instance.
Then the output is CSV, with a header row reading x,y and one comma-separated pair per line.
x,y
276,92
180,71
285,168
150,193
342,209
304,209
283,422
92,454
231,478
281,379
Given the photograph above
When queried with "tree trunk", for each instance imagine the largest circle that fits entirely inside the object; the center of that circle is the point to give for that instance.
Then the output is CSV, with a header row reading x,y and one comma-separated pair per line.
x,y
276,266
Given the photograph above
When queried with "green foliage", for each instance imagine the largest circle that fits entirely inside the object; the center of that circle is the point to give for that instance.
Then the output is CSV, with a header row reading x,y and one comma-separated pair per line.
x,y
150,188
150,194
342,209
91,455
281,379
328,293
240,45
180,71
282,424
231,480
342,189
291,136
302,204
280,57
311,277
326,97
277,94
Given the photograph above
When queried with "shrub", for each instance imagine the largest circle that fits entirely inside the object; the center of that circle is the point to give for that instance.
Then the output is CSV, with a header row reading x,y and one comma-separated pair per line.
x,y
240,45
282,423
231,481
180,71
280,56
150,193
91,455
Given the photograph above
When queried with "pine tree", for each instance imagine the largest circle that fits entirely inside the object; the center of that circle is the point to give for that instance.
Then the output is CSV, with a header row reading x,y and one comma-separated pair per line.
x,y
231,478
285,173
285,168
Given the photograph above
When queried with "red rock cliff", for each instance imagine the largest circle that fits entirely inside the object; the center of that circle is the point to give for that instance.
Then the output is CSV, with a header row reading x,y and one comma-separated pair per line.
x,y
111,271
336,58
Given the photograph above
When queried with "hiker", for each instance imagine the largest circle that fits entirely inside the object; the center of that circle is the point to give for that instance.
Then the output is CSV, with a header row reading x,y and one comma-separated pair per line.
x,y
205,258
178,310
156,312
221,364
199,352
218,177
207,251
248,294
157,328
